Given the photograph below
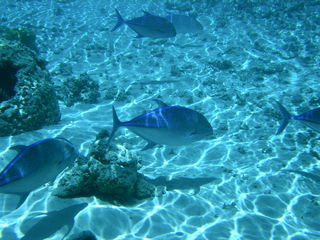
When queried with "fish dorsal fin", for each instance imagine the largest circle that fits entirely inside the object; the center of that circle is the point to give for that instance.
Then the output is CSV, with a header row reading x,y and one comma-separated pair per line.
x,y
147,13
160,103
18,148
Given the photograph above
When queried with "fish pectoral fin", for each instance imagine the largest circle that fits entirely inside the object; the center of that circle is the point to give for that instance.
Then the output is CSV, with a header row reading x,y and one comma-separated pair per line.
x,y
147,13
18,148
160,103
148,146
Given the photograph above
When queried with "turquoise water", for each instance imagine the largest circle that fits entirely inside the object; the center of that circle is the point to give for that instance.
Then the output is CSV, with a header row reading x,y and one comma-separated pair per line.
x,y
249,54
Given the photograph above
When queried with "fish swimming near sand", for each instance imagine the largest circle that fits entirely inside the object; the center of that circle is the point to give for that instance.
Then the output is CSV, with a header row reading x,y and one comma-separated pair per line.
x,y
166,125
148,25
185,24
35,165
310,118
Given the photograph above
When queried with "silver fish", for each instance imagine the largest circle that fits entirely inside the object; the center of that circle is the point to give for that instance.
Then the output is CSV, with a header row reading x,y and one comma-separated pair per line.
x,y
148,25
166,125
35,165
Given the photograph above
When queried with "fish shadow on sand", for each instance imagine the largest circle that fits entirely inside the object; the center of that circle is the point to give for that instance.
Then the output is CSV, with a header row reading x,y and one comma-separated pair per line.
x,y
180,183
49,223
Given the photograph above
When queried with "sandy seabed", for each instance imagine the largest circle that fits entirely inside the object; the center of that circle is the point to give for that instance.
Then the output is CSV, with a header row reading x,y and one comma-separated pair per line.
x,y
248,55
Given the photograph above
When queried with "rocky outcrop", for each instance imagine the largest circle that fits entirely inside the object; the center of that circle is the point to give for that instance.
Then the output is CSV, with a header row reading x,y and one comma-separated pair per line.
x,y
84,235
109,174
82,89
23,35
27,96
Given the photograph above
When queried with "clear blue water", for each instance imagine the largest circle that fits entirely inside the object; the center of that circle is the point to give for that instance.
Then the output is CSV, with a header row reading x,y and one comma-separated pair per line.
x,y
249,54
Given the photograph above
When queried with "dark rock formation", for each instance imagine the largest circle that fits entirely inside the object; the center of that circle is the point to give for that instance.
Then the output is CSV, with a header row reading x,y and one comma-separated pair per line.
x,y
23,35
85,235
109,174
27,97
82,89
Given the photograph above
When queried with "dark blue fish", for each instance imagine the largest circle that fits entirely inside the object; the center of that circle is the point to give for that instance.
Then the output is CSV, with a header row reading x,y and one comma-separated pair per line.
x,y
166,125
310,118
148,26
184,24
35,165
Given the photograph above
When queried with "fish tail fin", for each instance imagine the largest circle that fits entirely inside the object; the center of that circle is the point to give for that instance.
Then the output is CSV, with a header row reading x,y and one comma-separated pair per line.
x,y
120,21
287,117
116,125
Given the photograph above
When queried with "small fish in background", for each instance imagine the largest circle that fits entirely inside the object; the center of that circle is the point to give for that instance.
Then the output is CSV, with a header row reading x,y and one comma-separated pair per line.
x,y
51,222
312,176
184,23
310,118
35,165
180,183
148,26
166,125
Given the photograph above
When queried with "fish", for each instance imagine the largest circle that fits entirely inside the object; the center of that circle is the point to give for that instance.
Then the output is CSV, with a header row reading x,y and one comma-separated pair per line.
x,y
35,165
148,25
184,23
310,118
166,125
51,222
312,176
180,183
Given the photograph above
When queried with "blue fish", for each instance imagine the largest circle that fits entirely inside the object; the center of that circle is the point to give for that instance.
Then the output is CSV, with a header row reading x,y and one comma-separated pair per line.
x,y
310,118
184,24
35,165
166,125
148,26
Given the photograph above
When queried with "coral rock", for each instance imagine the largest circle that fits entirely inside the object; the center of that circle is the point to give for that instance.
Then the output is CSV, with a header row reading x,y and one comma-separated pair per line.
x,y
27,96
106,174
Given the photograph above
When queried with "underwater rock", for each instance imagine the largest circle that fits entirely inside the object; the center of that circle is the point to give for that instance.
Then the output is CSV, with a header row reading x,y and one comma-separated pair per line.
x,y
111,174
85,235
23,35
27,96
116,93
83,89
65,69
